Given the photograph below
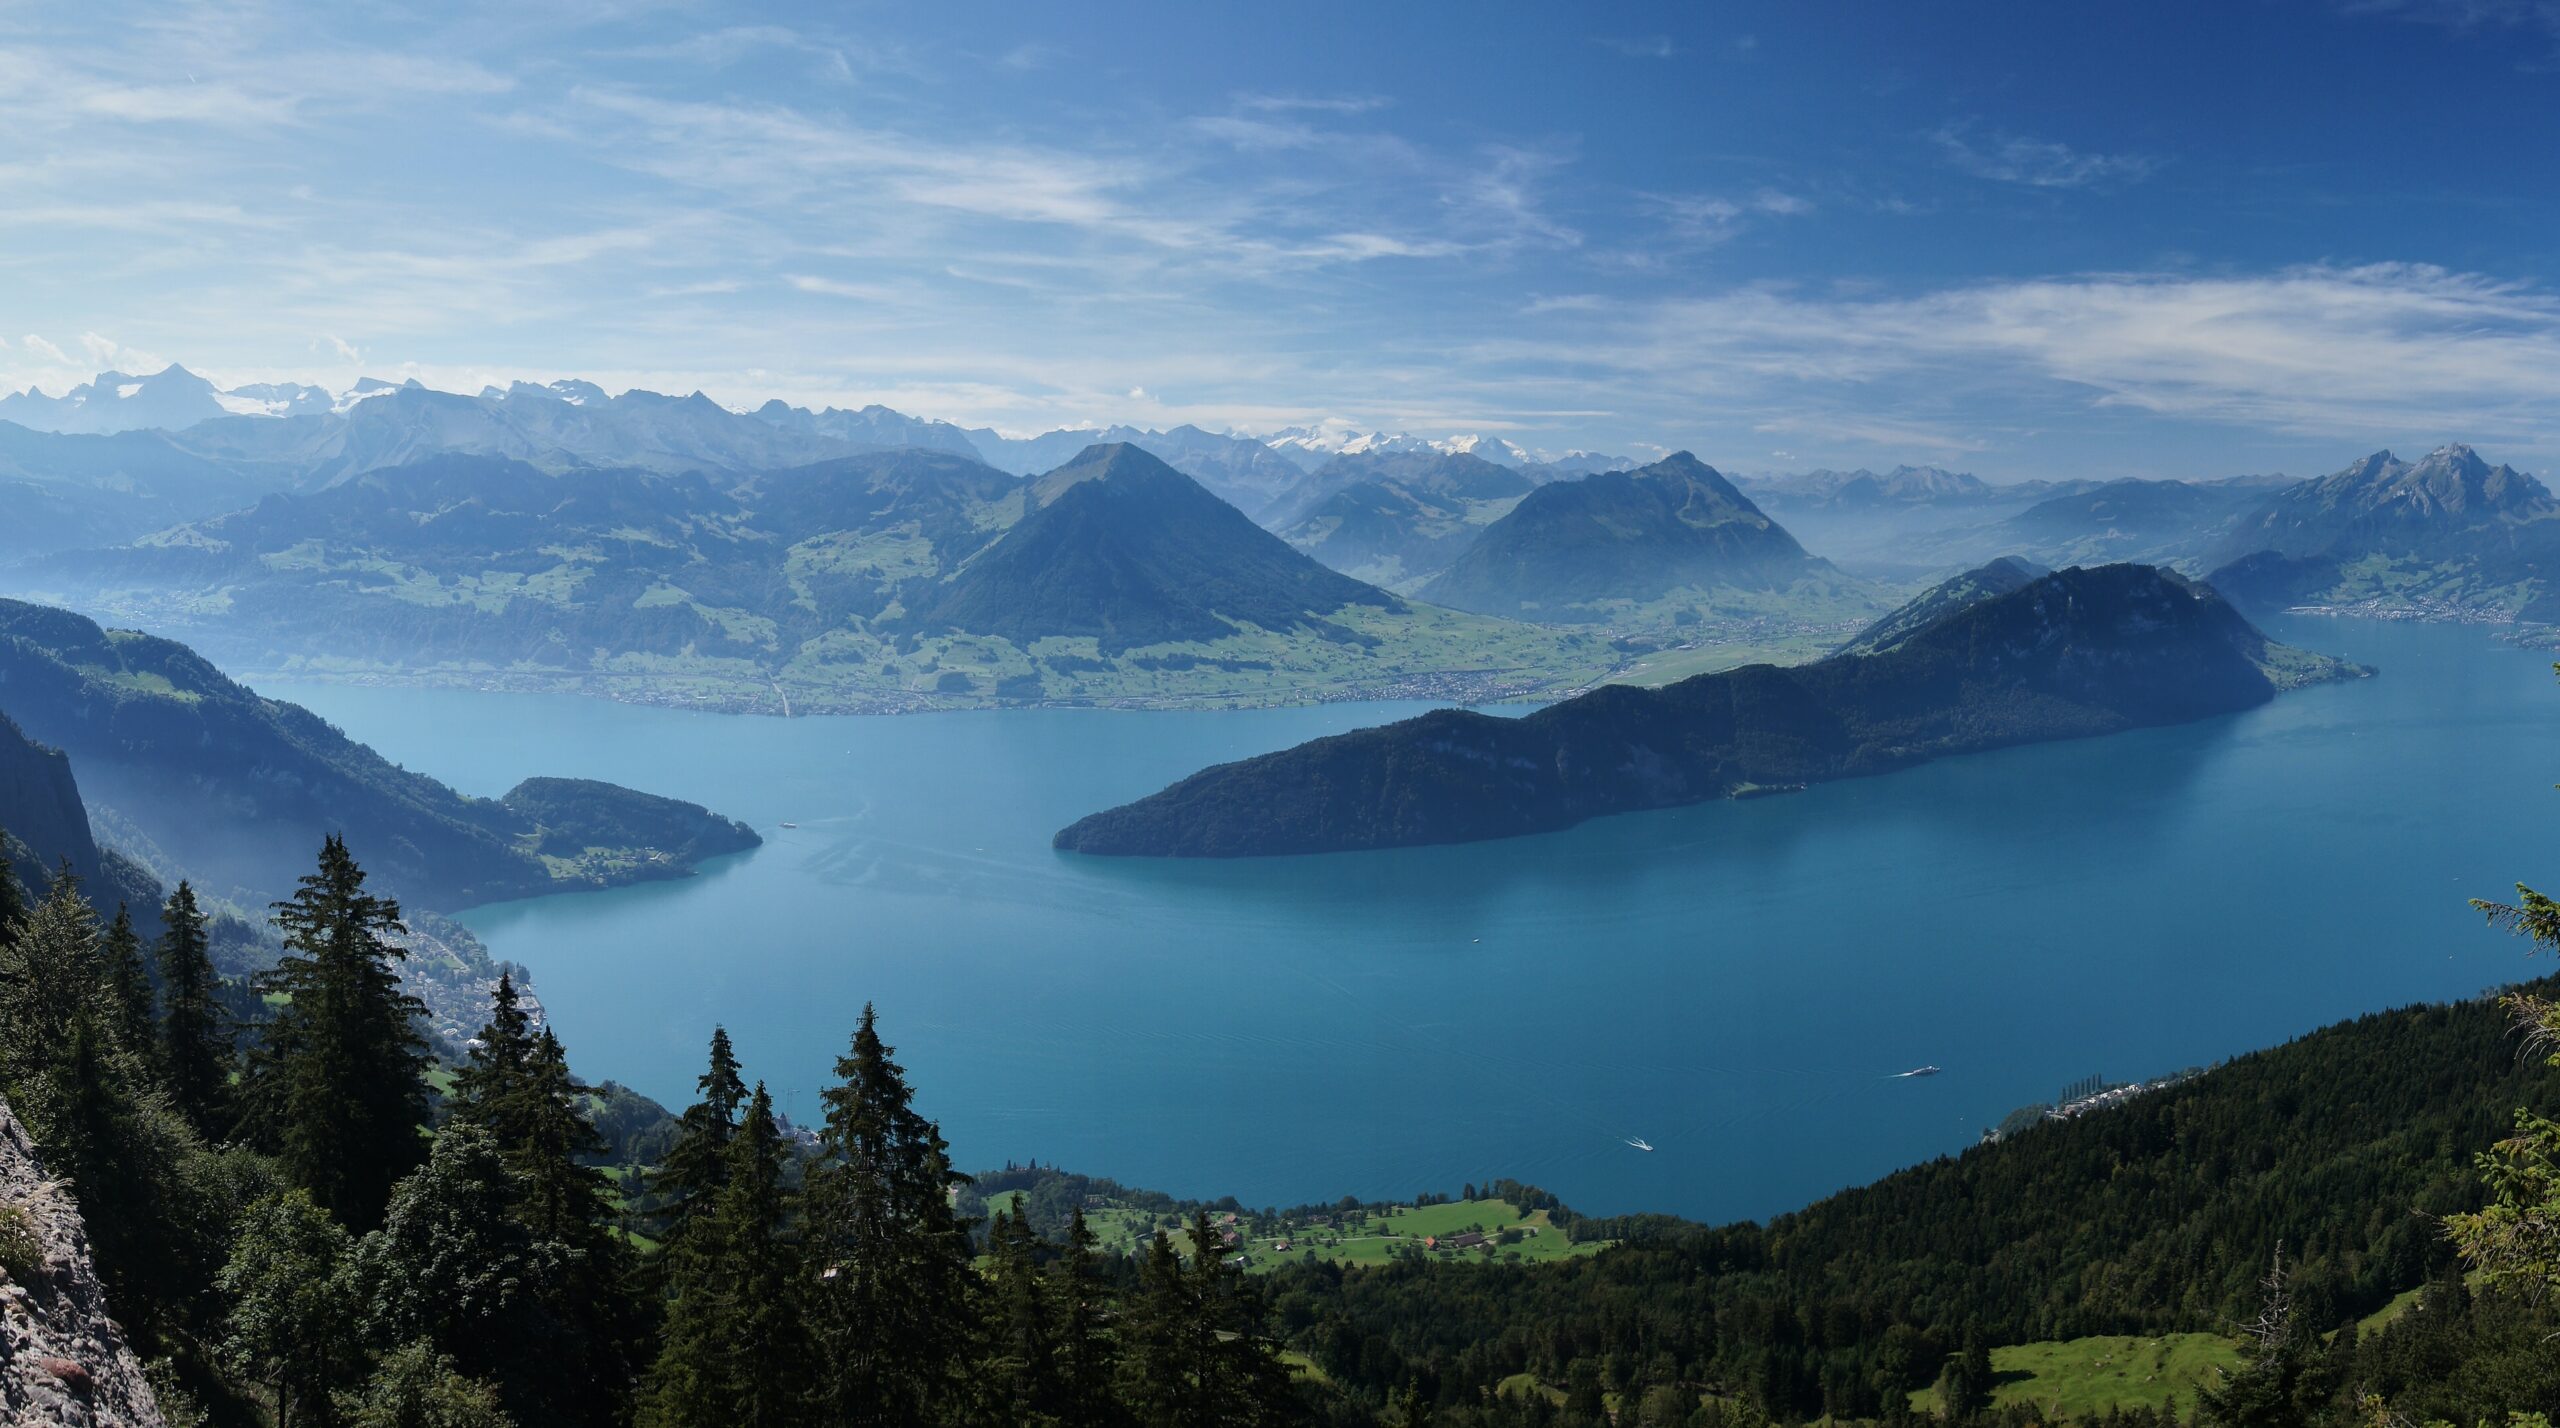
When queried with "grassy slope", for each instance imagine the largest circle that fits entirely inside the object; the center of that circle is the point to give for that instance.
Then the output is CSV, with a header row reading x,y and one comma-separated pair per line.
x,y
2081,1378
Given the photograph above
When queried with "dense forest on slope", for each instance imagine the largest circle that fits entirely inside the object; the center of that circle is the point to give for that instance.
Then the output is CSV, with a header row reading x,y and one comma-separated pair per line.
x,y
2072,654
234,786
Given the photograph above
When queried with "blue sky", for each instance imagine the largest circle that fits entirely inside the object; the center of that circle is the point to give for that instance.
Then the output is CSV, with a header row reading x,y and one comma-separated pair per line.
x,y
2025,239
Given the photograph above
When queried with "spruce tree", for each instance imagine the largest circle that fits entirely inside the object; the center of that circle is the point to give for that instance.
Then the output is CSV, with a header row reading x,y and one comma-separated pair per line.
x,y
1156,1364
195,1036
736,1351
1022,1371
50,974
492,1078
340,1082
693,1170
13,896
1086,1356
128,989
897,1288
517,1091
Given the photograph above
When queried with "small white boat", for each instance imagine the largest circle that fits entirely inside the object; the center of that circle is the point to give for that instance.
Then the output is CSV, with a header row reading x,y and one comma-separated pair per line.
x,y
1915,1071
787,823
1640,1143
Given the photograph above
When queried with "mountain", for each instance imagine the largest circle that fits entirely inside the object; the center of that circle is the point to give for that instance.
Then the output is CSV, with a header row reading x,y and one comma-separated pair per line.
x,y
239,789
1402,519
2152,521
1901,486
2448,532
42,816
886,580
2072,654
1987,582
1240,471
873,426
115,401
1571,546
1127,551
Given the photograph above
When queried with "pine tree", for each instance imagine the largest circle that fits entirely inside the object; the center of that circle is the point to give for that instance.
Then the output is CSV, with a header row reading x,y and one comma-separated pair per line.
x,y
50,974
1023,1369
1086,1356
492,1078
518,1092
128,989
736,1350
2273,1389
13,896
693,1170
896,1284
1155,1363
340,1083
1239,1376
195,1036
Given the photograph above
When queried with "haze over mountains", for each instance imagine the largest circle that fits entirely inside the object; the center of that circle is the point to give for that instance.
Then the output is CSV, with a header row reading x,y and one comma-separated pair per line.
x,y
670,548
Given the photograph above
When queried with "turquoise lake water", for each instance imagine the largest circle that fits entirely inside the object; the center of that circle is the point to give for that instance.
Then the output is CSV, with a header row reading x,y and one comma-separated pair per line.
x,y
1734,983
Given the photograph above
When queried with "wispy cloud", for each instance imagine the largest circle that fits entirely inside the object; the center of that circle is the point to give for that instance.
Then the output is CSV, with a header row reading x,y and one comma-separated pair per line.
x,y
2037,163
2313,350
1639,46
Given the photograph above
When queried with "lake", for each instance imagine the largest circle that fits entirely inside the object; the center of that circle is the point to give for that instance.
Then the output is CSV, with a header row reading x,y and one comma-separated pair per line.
x,y
1735,983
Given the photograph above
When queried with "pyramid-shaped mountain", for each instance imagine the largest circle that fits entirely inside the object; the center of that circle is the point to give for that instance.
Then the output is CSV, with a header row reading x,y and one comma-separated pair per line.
x,y
1122,548
1621,535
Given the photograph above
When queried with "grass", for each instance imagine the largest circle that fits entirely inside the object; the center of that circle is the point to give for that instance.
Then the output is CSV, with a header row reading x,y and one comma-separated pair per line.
x,y
1372,1236
2082,1378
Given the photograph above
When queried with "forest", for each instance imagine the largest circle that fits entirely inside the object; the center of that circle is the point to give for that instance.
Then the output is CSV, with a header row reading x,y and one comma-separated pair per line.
x,y
304,1219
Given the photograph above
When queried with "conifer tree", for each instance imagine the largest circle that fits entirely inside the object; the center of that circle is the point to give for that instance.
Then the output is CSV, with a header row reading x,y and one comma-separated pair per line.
x,y
736,1349
693,1170
128,989
492,1078
1155,1362
1086,1356
896,1285
517,1091
195,1036
50,974
1023,1368
340,1083
13,896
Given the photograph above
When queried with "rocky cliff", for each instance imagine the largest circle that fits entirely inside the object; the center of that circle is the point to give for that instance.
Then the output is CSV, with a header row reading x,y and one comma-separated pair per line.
x,y
63,1359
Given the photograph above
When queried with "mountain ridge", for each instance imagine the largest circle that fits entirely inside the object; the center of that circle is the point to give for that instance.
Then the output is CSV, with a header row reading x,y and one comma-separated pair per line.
x,y
2071,654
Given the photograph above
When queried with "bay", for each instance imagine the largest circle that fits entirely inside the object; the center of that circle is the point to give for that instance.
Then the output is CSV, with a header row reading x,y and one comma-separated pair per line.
x,y
1735,983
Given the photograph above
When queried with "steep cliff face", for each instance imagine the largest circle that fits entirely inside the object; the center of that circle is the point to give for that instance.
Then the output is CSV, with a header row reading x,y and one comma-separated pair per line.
x,y
40,809
63,1358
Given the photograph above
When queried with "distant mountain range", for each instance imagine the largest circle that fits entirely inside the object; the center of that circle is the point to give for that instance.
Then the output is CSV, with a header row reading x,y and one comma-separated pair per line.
x,y
2066,655
670,433
1398,517
1571,549
885,580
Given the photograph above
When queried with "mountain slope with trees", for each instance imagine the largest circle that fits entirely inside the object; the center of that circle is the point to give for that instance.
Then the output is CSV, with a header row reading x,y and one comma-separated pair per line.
x,y
2072,654
229,783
